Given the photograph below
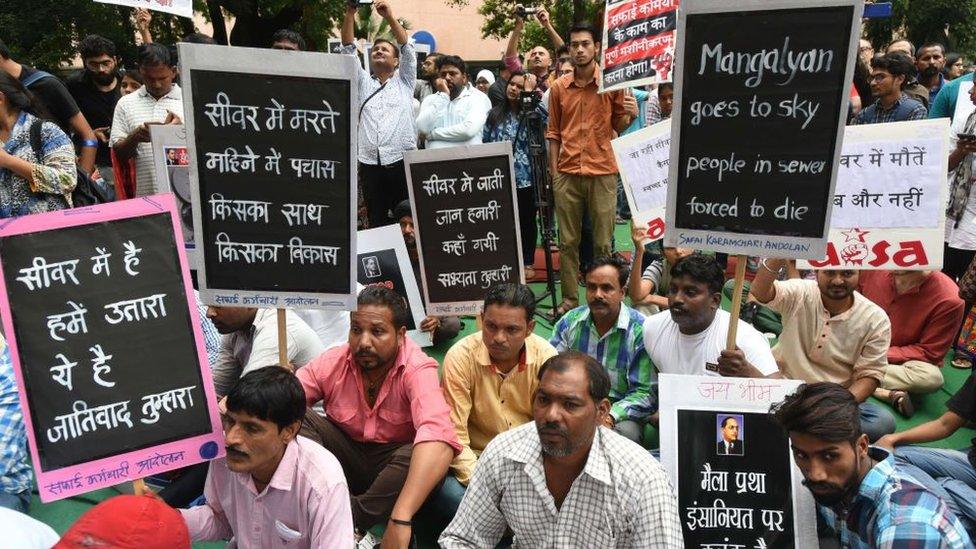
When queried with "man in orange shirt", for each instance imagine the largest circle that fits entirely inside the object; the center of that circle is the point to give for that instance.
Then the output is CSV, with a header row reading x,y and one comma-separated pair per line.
x,y
584,174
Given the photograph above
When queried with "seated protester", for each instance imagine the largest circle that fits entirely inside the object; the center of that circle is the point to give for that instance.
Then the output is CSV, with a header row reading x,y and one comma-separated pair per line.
x,y
441,328
562,480
456,113
764,319
951,474
274,487
612,333
251,342
15,468
287,39
128,522
859,490
386,418
31,181
830,333
689,338
925,313
648,293
489,379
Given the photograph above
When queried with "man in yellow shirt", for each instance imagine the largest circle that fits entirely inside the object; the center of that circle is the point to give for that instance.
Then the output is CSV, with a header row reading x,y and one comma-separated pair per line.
x,y
489,379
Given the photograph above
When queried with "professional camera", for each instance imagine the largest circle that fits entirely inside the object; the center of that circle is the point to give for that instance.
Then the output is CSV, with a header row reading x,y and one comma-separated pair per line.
x,y
524,12
530,100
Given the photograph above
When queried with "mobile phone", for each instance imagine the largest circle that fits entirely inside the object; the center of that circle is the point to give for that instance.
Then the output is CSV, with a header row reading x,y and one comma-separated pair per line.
x,y
966,136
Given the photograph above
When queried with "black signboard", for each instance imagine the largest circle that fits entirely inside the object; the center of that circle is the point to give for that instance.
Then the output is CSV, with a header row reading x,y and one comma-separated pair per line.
x,y
466,220
275,175
735,493
762,99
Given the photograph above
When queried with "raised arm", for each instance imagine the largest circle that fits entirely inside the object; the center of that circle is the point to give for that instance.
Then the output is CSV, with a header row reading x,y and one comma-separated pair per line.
x,y
348,25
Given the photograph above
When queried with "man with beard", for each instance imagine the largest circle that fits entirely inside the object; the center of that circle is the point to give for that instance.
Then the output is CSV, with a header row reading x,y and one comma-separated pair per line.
x,y
386,123
584,173
612,333
830,333
889,74
386,418
440,328
425,85
564,480
489,379
689,338
456,114
273,487
859,491
930,61
96,90
251,341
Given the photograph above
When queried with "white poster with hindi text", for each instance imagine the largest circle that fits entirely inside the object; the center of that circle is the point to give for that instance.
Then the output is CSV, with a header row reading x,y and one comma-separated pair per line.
x,y
642,159
183,8
889,204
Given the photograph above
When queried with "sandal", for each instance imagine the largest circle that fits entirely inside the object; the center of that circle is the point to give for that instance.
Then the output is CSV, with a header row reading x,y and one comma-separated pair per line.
x,y
562,309
901,401
961,362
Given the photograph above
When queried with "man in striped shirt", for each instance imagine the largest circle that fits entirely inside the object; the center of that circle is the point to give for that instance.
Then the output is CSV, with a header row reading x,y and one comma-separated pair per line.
x,y
613,334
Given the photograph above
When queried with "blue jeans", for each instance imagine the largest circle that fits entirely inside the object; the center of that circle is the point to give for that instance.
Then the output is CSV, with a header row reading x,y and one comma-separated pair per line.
x,y
444,505
18,502
876,421
947,473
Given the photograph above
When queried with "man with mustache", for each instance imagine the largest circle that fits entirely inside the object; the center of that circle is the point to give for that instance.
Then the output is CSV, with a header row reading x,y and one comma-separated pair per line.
x,y
830,333
859,490
930,61
386,123
274,488
564,480
890,75
96,90
489,379
613,334
456,113
386,418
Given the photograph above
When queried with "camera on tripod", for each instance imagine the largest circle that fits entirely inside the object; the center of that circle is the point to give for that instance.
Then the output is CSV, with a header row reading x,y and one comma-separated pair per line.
x,y
530,100
525,12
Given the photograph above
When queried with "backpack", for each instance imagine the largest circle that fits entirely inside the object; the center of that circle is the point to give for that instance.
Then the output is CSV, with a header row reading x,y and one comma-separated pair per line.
x,y
86,192
38,74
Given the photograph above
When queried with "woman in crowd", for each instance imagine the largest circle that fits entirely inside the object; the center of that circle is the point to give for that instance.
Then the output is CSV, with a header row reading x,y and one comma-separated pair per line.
x,y
34,177
955,66
505,124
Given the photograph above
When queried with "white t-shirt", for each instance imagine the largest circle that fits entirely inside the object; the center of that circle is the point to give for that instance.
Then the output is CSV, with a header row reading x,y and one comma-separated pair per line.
x,y
21,531
676,353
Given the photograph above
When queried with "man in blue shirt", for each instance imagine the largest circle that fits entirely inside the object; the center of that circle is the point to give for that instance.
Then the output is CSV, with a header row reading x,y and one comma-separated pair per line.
x,y
889,74
859,492
15,471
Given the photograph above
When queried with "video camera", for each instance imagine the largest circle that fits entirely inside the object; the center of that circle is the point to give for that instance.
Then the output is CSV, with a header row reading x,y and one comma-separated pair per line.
x,y
530,100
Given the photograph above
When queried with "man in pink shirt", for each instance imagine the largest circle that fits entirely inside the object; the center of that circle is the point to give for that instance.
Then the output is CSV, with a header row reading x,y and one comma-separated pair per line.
x,y
274,489
925,312
387,421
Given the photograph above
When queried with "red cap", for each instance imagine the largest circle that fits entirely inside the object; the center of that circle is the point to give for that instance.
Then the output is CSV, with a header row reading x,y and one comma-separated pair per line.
x,y
128,522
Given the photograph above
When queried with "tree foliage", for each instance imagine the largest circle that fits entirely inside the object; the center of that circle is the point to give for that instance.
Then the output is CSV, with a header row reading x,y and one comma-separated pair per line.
x,y
500,19
950,22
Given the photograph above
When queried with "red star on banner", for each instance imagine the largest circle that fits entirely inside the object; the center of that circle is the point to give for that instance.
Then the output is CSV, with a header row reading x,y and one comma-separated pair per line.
x,y
854,235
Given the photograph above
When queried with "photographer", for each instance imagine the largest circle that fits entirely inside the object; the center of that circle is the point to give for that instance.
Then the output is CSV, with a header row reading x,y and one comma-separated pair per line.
x,y
538,59
386,123
508,122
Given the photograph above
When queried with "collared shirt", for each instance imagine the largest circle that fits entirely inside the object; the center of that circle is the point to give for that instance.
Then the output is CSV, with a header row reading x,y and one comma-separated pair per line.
x,y
386,126
934,92
653,113
815,346
450,122
256,346
483,402
944,105
904,109
622,498
131,112
15,469
409,405
924,320
892,509
211,337
620,350
582,121
306,504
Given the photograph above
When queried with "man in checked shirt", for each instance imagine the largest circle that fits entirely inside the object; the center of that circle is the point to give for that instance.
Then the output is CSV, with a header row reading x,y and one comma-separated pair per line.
x,y
620,497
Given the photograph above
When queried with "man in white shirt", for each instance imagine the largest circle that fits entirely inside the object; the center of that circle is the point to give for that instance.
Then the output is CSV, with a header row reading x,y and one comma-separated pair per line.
x,y
689,338
158,101
456,114
250,342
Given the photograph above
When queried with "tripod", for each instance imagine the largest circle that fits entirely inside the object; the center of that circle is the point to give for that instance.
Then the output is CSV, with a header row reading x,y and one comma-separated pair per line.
x,y
531,121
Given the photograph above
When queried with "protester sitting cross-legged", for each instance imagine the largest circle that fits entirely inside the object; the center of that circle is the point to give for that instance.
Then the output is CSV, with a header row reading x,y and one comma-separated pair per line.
x,y
489,379
386,418
925,313
862,494
127,522
564,480
831,332
274,488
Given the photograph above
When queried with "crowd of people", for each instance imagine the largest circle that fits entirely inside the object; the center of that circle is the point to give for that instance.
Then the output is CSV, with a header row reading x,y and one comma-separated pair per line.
x,y
515,437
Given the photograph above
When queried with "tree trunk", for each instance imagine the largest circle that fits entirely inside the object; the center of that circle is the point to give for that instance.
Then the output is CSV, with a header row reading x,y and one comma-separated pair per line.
x,y
217,19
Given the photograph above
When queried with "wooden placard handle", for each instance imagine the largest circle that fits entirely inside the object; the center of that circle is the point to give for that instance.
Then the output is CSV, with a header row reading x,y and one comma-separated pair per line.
x,y
282,339
740,278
